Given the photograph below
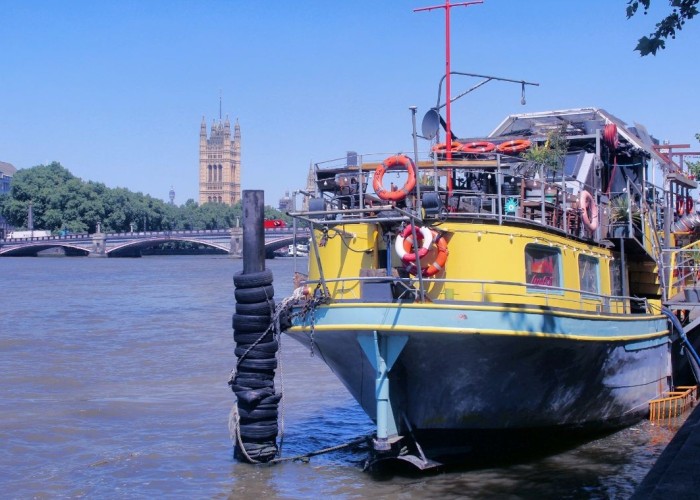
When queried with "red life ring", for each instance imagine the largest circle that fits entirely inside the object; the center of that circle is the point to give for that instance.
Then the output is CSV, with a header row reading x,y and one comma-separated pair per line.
x,y
404,243
689,204
439,264
442,147
514,146
393,161
587,202
680,206
478,147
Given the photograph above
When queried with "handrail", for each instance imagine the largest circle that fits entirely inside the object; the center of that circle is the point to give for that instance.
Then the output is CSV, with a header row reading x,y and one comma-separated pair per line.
x,y
682,259
547,292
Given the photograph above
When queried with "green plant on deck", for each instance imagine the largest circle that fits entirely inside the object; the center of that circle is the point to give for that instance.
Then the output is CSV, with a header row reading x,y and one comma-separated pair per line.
x,y
549,155
693,169
620,211
426,179
694,166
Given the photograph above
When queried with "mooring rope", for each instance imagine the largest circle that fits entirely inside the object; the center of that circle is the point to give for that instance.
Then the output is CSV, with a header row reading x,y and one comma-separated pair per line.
x,y
235,433
305,457
234,418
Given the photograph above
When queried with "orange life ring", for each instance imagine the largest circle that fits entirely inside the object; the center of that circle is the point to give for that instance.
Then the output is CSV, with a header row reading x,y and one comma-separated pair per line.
x,y
394,161
478,147
514,146
439,264
680,206
586,202
442,147
404,243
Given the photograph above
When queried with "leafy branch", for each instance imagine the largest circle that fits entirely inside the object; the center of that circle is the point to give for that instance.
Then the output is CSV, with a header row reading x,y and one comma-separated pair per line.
x,y
683,10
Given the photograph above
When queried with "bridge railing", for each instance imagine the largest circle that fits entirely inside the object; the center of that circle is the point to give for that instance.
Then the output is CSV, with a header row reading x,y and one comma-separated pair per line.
x,y
182,232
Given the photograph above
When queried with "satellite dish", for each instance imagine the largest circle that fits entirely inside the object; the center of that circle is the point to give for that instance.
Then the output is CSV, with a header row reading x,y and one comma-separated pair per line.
x,y
431,124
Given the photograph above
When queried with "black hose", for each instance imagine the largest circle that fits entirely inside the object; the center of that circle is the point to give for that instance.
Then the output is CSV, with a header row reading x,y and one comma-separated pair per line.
x,y
694,358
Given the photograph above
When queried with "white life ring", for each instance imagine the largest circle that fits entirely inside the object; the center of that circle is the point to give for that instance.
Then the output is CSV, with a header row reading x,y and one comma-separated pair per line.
x,y
404,243
585,203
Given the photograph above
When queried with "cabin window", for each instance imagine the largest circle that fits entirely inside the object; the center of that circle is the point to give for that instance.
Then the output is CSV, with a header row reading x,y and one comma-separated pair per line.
x,y
542,266
588,274
615,278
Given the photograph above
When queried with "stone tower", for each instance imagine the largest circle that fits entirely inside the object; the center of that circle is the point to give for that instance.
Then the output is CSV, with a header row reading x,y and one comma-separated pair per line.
x,y
219,163
310,186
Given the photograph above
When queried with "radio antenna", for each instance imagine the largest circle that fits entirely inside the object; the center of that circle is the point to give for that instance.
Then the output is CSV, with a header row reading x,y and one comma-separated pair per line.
x,y
447,7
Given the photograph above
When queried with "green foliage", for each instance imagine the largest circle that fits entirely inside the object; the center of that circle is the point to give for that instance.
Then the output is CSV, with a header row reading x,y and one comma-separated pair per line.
x,y
62,201
620,211
550,154
683,10
694,166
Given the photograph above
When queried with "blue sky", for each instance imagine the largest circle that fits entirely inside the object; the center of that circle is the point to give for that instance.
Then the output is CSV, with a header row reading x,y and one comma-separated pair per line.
x,y
116,90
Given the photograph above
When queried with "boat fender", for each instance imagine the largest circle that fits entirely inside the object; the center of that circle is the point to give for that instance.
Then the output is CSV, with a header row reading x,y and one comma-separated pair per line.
x,y
680,206
514,146
587,203
478,147
404,243
391,162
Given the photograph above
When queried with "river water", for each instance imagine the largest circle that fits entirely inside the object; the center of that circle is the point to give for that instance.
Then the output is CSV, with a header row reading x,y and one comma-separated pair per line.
x,y
114,384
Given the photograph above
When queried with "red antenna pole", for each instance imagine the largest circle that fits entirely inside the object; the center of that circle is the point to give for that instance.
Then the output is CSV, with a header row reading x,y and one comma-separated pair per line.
x,y
447,7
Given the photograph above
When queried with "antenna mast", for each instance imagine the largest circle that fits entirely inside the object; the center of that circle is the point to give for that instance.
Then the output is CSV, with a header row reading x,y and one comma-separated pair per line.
x,y
447,7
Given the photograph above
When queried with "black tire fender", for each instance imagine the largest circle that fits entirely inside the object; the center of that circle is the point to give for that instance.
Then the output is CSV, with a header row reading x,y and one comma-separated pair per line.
x,y
264,308
252,280
253,295
250,323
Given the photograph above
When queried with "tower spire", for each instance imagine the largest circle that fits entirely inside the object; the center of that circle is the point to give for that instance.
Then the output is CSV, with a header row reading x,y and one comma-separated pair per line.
x,y
219,104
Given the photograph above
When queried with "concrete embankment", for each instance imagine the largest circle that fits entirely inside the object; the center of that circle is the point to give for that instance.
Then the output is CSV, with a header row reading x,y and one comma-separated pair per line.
x,y
676,474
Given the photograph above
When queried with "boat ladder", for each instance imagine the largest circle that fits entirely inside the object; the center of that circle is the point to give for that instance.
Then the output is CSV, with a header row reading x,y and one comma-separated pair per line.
x,y
672,404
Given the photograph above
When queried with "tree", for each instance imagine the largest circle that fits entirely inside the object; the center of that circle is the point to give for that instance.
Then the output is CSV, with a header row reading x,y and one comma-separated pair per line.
x,y
683,10
62,201
694,166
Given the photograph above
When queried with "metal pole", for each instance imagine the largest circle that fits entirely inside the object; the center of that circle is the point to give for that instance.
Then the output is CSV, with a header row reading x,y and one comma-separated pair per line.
x,y
448,114
253,234
415,155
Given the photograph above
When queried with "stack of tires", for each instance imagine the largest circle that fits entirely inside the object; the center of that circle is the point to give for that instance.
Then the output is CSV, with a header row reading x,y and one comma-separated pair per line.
x,y
256,350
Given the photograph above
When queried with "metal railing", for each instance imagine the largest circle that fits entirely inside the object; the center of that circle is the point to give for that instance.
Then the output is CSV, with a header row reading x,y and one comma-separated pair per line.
x,y
672,404
499,292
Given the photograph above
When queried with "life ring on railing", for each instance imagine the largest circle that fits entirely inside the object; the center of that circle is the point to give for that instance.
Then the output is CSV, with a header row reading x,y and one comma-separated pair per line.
x,y
587,202
514,146
478,147
404,243
680,206
442,147
439,264
689,205
391,162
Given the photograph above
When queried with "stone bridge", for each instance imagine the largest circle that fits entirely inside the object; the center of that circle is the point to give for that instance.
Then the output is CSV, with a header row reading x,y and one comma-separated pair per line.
x,y
130,244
